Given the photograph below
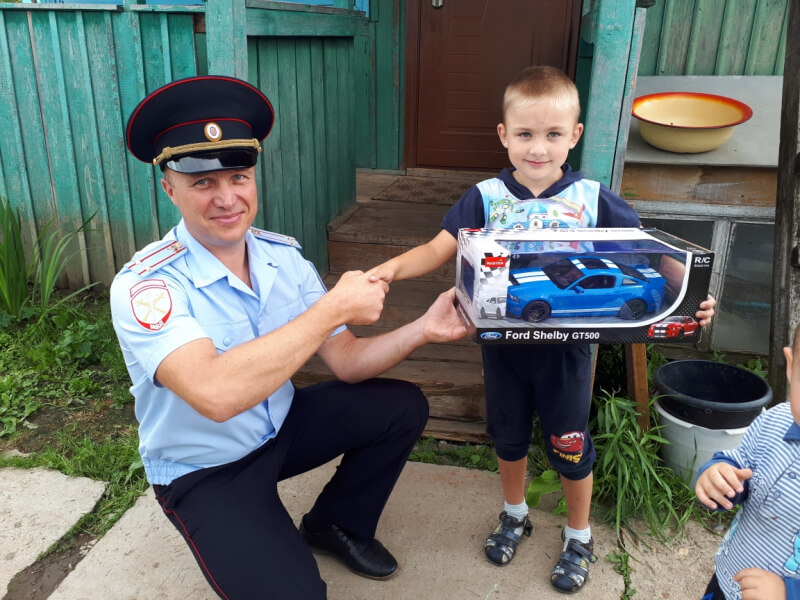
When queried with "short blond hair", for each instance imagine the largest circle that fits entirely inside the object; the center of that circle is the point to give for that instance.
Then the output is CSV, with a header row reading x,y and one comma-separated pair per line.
x,y
540,83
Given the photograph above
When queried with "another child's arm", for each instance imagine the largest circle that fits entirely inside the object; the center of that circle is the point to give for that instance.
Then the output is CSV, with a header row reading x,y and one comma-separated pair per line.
x,y
758,584
417,261
720,483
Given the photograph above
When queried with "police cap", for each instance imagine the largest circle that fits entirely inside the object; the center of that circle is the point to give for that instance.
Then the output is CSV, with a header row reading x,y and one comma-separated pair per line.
x,y
198,124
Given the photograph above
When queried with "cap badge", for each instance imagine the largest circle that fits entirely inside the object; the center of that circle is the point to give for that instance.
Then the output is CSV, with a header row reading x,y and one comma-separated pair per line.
x,y
213,132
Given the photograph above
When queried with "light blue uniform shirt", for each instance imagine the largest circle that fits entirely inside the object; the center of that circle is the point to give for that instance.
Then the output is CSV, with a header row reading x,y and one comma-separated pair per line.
x,y
188,296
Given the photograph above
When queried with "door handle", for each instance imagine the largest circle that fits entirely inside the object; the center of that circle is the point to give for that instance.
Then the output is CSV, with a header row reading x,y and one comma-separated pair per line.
x,y
437,3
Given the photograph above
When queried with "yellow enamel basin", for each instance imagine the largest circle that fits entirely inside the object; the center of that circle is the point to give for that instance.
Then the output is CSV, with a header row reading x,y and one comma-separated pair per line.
x,y
688,122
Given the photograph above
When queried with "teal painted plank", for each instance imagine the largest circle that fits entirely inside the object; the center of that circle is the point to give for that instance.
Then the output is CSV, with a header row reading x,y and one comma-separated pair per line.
x,y
293,23
648,62
364,100
735,37
181,45
322,192
345,60
387,80
627,100
289,154
227,41
252,71
675,36
332,138
36,168
105,82
82,121
766,37
157,55
701,56
271,165
613,32
13,175
7,6
308,232
780,57
58,139
132,88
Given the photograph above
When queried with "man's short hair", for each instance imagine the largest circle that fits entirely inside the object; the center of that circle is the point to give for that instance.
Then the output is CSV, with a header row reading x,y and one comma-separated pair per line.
x,y
542,83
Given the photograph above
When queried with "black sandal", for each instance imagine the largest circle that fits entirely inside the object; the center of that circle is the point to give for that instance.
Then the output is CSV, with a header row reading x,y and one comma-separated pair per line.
x,y
501,545
572,569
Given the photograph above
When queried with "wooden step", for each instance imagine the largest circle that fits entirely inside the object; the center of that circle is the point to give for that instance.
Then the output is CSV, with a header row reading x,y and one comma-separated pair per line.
x,y
451,374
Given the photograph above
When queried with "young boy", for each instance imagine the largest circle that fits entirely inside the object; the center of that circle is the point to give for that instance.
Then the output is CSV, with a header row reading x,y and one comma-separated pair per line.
x,y
759,559
540,126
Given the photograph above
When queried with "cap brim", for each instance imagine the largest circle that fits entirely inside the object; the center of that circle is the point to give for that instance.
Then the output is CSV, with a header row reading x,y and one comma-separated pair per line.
x,y
213,161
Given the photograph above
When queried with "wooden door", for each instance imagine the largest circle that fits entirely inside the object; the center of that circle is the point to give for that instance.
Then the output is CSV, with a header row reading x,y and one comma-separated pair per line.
x,y
460,58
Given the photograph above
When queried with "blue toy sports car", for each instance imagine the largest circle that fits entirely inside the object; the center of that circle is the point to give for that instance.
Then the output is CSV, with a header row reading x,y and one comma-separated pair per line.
x,y
584,286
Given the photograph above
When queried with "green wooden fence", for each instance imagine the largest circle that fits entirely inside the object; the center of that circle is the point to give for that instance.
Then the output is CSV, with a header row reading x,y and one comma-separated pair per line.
x,y
715,37
71,74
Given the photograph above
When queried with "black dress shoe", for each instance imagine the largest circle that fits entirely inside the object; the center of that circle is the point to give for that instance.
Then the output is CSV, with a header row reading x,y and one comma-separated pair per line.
x,y
368,559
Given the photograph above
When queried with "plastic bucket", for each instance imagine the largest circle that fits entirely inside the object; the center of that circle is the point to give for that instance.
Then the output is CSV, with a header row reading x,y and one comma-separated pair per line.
x,y
691,446
711,394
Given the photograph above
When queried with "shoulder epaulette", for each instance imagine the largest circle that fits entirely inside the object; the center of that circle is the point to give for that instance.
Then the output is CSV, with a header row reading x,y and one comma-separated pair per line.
x,y
278,238
152,259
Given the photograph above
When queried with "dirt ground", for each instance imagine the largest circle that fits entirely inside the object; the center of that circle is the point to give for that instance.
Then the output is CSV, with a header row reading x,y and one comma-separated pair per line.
x,y
38,581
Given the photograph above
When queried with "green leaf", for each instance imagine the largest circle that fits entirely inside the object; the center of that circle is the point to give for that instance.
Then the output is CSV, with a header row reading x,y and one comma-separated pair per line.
x,y
546,483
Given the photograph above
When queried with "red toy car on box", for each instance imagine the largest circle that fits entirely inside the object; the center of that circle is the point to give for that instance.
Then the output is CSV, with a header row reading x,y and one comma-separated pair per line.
x,y
673,327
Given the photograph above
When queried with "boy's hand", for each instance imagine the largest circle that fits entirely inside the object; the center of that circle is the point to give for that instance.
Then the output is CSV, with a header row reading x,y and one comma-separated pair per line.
x,y
381,273
359,301
442,321
720,482
706,311
758,584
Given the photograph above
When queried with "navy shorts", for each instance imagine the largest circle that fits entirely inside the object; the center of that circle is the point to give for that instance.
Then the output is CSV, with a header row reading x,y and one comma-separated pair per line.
x,y
551,381
233,519
713,591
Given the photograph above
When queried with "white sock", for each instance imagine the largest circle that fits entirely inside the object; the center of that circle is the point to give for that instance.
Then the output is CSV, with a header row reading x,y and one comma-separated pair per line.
x,y
518,511
582,535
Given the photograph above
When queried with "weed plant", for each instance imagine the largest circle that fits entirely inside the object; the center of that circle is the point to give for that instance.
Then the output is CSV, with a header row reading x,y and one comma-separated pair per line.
x,y
27,285
630,479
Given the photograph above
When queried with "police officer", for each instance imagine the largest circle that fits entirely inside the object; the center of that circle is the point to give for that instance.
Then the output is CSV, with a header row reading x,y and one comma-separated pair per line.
x,y
214,319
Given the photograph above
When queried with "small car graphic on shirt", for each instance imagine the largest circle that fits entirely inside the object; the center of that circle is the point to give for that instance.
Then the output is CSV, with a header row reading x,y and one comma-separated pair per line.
x,y
493,307
673,327
584,286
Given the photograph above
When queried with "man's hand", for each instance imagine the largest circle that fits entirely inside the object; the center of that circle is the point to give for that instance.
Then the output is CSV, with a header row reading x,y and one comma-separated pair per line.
x,y
706,311
758,584
357,300
720,482
442,321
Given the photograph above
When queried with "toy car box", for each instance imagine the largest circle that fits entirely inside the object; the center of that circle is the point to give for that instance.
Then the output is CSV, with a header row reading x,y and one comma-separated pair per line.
x,y
561,285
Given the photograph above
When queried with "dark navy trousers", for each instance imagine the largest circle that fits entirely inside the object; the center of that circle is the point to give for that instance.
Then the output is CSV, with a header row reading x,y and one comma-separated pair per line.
x,y
233,520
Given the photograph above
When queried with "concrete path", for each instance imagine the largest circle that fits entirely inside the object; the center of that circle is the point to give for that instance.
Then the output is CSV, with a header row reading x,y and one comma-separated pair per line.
x,y
435,524
37,507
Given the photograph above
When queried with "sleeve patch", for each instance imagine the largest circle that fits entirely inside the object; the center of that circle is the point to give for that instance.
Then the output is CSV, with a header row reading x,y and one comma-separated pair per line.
x,y
151,303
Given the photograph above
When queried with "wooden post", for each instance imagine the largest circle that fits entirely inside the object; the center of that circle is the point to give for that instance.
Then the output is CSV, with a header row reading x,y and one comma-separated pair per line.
x,y
226,38
617,38
786,254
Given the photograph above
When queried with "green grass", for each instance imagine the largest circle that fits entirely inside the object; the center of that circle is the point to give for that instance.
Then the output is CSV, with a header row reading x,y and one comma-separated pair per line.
x,y
113,459
66,364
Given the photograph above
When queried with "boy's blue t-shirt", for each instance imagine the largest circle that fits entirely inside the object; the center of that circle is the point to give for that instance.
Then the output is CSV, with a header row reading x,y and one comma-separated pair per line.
x,y
573,201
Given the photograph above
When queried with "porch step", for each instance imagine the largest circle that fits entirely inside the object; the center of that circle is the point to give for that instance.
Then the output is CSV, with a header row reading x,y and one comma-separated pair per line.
x,y
450,375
